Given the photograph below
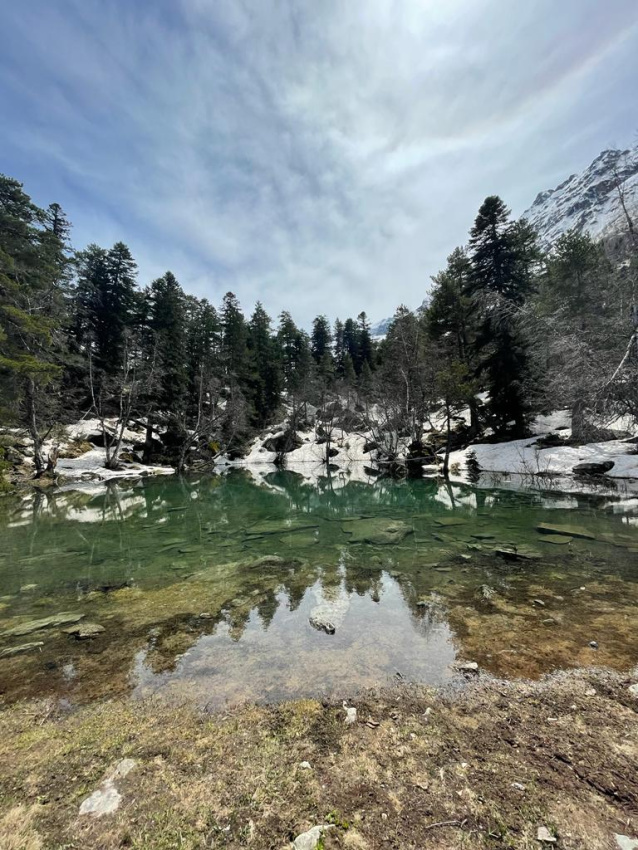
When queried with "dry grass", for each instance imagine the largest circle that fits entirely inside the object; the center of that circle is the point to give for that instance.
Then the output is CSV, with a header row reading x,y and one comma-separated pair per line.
x,y
17,831
437,771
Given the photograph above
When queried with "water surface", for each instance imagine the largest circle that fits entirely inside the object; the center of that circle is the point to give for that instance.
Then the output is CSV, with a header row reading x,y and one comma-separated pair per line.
x,y
216,588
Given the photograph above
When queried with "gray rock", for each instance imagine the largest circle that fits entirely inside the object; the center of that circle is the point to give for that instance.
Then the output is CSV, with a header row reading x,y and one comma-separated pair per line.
x,y
106,799
321,622
19,650
633,690
36,625
624,842
593,468
544,836
468,667
310,839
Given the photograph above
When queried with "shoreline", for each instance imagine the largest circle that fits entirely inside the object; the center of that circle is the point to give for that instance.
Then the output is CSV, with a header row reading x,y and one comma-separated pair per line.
x,y
487,764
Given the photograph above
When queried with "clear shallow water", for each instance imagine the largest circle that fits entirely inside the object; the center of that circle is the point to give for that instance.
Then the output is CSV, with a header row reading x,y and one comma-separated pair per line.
x,y
207,588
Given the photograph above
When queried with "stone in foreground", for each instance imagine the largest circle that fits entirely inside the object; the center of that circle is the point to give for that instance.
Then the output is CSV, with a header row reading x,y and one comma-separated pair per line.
x,y
310,840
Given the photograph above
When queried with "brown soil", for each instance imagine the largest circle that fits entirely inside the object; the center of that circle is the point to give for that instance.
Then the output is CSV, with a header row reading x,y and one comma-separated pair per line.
x,y
479,766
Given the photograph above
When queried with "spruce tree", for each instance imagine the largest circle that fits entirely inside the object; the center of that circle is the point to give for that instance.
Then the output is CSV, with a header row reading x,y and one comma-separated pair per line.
x,y
32,268
321,338
502,257
266,369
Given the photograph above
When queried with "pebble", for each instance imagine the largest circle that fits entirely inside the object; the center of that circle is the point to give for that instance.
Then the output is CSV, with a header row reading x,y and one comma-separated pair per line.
x,y
633,690
305,765
544,835
351,714
468,667
518,785
593,644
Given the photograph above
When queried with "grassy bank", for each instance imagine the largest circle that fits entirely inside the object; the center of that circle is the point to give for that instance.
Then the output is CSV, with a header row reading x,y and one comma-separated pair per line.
x,y
483,766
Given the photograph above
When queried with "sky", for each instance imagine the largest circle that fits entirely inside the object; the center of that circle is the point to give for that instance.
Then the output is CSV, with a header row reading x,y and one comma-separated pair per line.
x,y
322,156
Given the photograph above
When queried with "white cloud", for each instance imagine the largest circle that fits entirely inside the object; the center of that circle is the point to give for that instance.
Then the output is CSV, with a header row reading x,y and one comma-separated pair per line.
x,y
318,156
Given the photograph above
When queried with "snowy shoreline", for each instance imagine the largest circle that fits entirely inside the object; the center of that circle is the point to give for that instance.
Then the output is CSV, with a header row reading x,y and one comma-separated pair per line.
x,y
515,464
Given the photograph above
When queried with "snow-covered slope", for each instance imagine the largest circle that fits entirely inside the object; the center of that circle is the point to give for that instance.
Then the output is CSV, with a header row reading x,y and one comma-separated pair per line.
x,y
589,202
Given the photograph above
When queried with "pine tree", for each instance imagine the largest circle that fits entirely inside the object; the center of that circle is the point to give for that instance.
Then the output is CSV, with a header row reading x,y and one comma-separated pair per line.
x,y
351,343
339,350
234,336
365,347
32,267
321,338
502,257
267,377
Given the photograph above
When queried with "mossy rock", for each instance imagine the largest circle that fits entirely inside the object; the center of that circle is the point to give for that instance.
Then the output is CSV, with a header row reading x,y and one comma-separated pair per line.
x,y
379,532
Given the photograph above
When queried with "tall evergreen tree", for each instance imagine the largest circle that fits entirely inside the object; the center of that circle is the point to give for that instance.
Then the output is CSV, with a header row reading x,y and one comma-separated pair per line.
x,y
321,338
502,256
267,376
32,268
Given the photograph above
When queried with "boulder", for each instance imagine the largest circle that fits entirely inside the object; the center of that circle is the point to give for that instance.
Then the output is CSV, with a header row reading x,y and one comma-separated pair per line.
x,y
593,468
285,441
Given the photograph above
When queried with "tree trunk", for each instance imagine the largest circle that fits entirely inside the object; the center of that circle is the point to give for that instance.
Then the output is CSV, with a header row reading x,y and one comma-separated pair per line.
x,y
448,441
38,459
148,443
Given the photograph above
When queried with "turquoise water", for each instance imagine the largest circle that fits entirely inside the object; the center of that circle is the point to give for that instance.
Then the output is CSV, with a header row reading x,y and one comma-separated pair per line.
x,y
223,589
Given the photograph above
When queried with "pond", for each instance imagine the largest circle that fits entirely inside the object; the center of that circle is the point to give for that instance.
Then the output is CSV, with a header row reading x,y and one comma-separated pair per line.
x,y
223,589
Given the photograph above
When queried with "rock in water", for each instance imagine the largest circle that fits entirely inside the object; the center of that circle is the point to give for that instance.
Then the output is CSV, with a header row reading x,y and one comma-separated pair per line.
x,y
329,614
380,532
84,631
593,468
568,530
18,650
320,622
36,625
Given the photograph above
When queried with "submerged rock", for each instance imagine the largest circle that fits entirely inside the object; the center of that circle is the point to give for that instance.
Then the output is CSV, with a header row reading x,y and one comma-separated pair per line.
x,y
567,530
517,553
10,651
450,521
60,619
84,631
380,532
556,539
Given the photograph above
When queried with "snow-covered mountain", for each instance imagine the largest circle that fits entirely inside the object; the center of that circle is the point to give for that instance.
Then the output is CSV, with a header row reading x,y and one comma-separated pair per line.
x,y
589,202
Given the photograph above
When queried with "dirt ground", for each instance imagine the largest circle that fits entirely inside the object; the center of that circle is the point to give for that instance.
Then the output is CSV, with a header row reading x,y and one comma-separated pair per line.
x,y
477,766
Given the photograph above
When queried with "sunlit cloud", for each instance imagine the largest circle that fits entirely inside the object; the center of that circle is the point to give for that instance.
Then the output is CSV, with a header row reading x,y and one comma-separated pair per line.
x,y
322,157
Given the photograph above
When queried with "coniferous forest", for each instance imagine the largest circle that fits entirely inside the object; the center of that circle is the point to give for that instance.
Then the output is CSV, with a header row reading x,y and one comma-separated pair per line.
x,y
506,331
